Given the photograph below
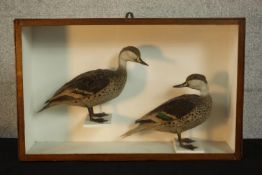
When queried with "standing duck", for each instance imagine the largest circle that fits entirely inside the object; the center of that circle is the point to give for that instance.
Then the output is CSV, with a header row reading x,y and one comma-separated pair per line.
x,y
180,113
97,86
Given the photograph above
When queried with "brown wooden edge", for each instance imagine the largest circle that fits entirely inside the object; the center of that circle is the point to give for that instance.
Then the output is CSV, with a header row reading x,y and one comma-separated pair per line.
x,y
129,21
19,23
19,91
127,157
240,89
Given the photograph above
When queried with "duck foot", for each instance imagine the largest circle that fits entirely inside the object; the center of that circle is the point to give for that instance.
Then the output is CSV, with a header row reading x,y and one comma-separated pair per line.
x,y
94,115
102,114
188,146
187,140
98,120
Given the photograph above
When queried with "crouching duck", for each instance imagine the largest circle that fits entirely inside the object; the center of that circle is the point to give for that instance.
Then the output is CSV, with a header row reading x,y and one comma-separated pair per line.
x,y
97,86
179,114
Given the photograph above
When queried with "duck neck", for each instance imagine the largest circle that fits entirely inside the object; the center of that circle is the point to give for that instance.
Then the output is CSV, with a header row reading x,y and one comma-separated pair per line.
x,y
204,91
121,64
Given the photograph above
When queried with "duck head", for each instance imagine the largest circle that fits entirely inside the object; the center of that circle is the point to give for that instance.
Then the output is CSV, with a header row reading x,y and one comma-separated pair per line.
x,y
195,81
131,53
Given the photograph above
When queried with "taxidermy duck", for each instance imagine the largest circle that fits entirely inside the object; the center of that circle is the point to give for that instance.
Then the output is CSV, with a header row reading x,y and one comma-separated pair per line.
x,y
180,113
97,86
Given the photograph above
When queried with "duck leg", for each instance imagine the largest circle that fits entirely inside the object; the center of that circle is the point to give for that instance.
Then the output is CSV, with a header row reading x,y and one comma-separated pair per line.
x,y
183,145
92,116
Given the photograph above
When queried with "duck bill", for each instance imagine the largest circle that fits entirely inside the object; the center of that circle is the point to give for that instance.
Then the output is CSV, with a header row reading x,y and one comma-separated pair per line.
x,y
142,62
180,85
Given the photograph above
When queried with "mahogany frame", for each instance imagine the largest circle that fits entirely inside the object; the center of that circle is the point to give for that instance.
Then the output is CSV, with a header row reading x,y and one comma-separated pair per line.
x,y
19,23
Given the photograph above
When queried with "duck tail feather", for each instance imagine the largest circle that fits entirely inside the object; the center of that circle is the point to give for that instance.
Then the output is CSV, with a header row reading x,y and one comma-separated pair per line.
x,y
45,107
139,128
55,101
133,131
49,104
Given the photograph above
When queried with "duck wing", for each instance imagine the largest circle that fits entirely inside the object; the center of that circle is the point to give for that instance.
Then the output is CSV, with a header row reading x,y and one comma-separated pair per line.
x,y
173,109
85,84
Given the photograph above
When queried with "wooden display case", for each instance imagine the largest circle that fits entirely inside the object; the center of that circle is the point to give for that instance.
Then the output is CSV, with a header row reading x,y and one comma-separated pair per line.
x,y
50,52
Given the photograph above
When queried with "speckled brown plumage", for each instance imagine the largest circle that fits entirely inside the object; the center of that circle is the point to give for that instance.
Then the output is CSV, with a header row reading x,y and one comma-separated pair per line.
x,y
91,88
185,112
